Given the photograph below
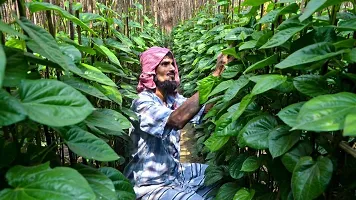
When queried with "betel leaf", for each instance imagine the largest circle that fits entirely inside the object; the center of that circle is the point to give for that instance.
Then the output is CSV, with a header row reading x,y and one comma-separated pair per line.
x,y
84,87
245,101
310,178
244,194
11,110
350,125
311,84
123,187
221,87
213,174
351,56
205,86
227,128
16,67
230,51
315,6
8,152
91,73
104,50
281,140
215,142
87,145
263,63
347,25
227,191
254,2
235,87
232,70
289,114
291,158
108,119
272,16
42,183
235,166
248,45
108,68
2,65
309,54
250,164
256,131
40,6
326,112
266,82
9,30
53,103
234,33
71,51
102,186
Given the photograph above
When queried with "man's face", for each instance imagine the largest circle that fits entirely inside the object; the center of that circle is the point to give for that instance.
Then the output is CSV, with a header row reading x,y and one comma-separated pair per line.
x,y
165,70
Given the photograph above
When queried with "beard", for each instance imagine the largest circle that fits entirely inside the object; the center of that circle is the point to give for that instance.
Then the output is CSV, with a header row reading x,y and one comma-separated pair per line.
x,y
168,87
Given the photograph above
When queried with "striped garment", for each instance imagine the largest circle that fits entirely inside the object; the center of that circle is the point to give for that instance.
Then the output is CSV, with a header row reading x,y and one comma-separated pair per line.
x,y
155,168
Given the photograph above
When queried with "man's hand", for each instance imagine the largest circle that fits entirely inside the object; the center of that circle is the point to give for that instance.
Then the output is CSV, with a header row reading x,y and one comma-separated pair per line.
x,y
222,60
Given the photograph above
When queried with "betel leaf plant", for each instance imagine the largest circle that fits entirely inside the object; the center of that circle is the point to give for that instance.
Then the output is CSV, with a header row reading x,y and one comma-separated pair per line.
x,y
283,123
64,103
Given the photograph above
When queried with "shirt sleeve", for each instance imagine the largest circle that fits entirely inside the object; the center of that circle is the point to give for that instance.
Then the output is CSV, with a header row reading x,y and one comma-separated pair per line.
x,y
198,117
153,116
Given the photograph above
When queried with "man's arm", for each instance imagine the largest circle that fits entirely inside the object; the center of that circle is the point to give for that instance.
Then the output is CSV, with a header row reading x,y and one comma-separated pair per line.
x,y
184,113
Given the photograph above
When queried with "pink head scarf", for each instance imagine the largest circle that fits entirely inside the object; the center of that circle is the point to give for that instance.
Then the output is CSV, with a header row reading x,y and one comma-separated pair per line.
x,y
149,60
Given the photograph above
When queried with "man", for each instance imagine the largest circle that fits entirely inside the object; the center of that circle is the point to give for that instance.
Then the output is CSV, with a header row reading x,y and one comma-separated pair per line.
x,y
155,169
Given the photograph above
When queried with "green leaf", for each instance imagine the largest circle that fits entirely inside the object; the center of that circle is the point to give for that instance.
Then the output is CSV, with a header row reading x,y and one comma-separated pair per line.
x,y
112,92
235,87
224,127
108,68
281,140
71,52
256,131
213,174
123,187
87,17
254,2
103,49
351,56
40,6
326,112
230,51
350,125
248,45
108,119
234,33
309,54
42,183
87,145
16,67
291,158
232,71
102,186
82,48
8,153
215,142
266,82
11,110
263,63
221,87
9,30
84,87
246,100
53,103
311,178
250,164
348,25
2,65
227,191
205,86
289,114
311,84
244,194
91,73
315,6
272,16
235,166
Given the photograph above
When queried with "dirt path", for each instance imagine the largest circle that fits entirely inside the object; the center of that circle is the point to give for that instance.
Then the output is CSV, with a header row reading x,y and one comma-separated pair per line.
x,y
187,145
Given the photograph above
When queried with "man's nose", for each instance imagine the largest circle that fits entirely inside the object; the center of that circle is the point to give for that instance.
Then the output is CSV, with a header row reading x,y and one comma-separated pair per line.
x,y
171,68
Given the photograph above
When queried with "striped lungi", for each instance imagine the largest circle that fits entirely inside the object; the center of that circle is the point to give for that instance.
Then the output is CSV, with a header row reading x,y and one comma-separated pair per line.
x,y
190,187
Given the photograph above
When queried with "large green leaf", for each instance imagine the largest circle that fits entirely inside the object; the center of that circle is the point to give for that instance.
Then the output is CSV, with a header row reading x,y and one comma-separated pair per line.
x,y
256,131
246,100
11,110
16,67
87,17
254,2
2,65
232,70
235,166
309,54
326,112
289,114
108,68
311,84
40,6
82,48
266,82
104,50
215,142
350,125
72,52
310,178
9,30
348,25
235,87
87,145
227,128
244,194
272,16
91,73
84,87
53,103
102,186
111,92
281,140
213,174
227,191
291,158
108,119
234,33
315,6
123,187
205,86
263,63
221,87
250,164
42,183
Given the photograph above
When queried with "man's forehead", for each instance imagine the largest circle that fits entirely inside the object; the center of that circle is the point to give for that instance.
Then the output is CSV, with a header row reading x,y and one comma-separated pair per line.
x,y
167,59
